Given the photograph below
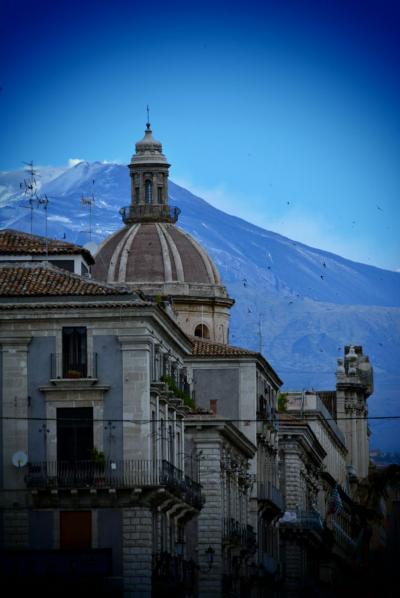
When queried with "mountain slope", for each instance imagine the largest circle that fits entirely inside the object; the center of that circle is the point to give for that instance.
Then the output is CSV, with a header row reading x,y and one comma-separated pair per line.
x,y
300,305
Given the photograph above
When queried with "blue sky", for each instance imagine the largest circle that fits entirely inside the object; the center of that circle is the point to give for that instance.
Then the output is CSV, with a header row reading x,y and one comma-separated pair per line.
x,y
286,114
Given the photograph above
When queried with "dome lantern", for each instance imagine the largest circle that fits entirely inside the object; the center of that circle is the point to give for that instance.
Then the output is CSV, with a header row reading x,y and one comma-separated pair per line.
x,y
149,184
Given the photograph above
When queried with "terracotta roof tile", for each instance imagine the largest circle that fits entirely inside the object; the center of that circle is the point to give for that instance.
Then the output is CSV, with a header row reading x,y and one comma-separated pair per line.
x,y
205,348
14,242
30,280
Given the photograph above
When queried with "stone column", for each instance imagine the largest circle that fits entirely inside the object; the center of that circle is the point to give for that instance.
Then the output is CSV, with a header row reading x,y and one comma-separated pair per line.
x,y
210,519
15,407
292,479
137,552
16,528
354,443
293,567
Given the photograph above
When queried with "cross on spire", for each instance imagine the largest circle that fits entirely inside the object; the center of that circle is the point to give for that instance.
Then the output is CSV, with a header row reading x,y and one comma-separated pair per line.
x,y
148,117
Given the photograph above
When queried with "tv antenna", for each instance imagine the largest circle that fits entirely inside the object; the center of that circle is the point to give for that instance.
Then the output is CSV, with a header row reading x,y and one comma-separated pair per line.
x,y
30,187
89,201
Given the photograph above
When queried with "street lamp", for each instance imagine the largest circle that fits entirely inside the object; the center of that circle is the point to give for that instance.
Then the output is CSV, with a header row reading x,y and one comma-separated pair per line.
x,y
179,547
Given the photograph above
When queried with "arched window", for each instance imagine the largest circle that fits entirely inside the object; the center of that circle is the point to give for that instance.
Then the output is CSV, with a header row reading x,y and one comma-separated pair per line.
x,y
202,331
148,192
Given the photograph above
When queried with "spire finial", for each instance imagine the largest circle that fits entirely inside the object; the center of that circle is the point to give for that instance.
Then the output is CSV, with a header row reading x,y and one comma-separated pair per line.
x,y
148,118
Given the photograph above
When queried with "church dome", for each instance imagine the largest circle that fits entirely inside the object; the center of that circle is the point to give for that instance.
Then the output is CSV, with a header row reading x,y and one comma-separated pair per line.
x,y
157,257
153,255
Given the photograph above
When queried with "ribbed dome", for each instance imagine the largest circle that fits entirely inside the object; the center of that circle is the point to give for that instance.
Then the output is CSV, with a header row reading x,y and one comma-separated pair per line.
x,y
157,254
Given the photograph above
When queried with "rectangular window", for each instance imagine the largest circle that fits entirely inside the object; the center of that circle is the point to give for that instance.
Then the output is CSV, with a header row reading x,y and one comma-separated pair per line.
x,y
74,352
159,195
171,445
74,434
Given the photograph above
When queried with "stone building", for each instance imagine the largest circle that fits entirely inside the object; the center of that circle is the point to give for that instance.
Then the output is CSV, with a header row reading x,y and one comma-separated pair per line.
x,y
17,246
240,385
92,441
321,467
224,540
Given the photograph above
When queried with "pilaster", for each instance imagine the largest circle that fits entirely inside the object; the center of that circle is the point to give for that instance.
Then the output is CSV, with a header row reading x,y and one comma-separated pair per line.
x,y
137,552
15,406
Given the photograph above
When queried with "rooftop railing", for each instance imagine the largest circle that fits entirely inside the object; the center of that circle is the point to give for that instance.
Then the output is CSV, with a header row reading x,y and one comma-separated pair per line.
x,y
113,474
149,213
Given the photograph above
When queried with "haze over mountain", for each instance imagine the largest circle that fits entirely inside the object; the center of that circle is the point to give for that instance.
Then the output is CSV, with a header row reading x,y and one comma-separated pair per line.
x,y
298,304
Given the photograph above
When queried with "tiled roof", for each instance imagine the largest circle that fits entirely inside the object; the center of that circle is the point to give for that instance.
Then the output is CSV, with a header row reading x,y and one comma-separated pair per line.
x,y
205,348
14,242
34,280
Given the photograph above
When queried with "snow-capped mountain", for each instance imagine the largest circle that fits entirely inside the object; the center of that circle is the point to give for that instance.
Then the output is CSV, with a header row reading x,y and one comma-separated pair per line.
x,y
299,305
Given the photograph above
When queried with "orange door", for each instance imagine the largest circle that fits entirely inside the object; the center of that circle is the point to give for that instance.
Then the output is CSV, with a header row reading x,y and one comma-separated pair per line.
x,y
75,529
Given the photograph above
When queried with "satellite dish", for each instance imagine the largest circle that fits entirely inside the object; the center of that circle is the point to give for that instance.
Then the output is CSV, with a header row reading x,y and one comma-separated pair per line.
x,y
19,459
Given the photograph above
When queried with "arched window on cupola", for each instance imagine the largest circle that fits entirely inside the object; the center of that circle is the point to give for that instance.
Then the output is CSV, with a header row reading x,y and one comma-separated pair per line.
x,y
148,192
202,331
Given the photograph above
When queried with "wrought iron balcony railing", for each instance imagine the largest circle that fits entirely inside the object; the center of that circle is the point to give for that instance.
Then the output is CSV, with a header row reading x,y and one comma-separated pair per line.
x,y
342,538
237,533
306,520
149,213
63,367
268,492
113,474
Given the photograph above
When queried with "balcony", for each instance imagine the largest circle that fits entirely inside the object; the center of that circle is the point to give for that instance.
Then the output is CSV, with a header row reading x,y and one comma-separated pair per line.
x,y
268,493
342,538
310,520
235,532
118,475
62,368
149,213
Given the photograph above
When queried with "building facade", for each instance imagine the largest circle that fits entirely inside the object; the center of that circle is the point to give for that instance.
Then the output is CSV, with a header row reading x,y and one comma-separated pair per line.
x,y
321,468
225,540
240,385
92,439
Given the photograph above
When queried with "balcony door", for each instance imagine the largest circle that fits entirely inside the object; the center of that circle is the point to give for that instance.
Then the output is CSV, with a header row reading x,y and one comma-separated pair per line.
x,y
74,347
74,434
